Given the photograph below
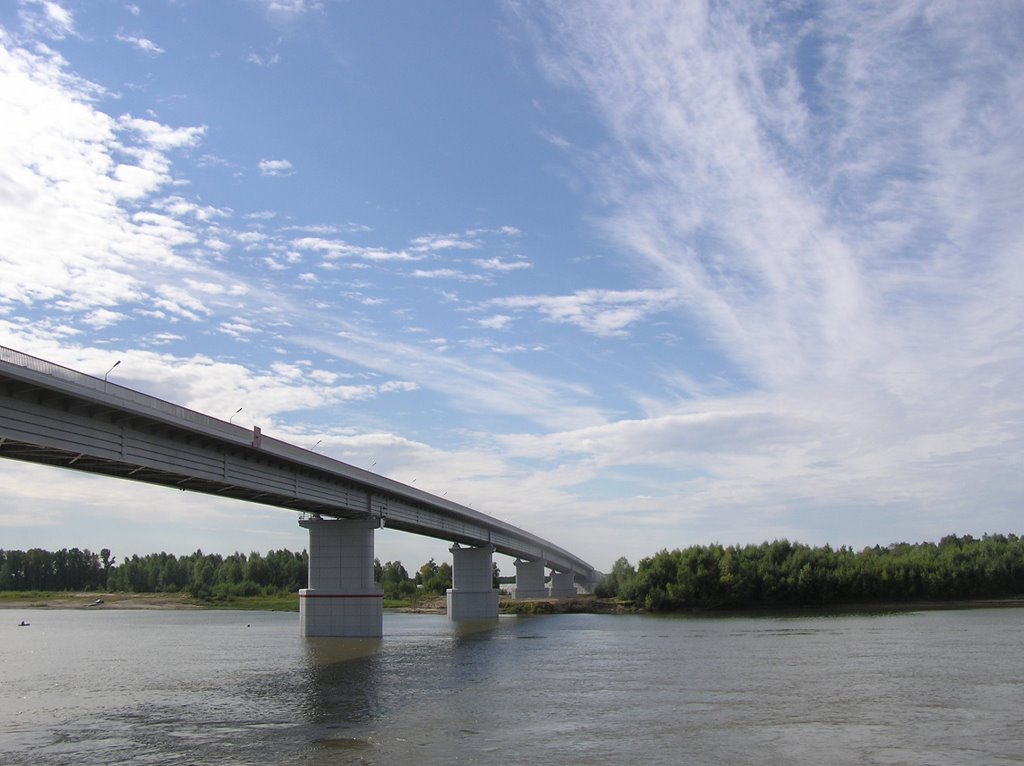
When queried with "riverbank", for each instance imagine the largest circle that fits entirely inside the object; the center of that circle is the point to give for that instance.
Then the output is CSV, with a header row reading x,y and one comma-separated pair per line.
x,y
278,602
289,602
94,600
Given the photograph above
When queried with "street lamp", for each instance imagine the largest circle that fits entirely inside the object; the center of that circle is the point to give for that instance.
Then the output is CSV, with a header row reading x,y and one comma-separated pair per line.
x,y
110,370
233,416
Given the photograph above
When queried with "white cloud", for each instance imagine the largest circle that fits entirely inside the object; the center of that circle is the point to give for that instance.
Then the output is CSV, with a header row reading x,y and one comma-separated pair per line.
x,y
160,136
831,198
324,377
103,318
470,385
497,264
142,43
47,18
180,302
180,208
601,312
238,329
72,184
291,8
336,248
399,385
446,274
267,60
496,322
439,242
276,168
162,338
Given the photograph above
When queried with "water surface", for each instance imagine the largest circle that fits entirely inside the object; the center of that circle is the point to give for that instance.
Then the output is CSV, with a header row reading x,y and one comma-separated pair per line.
x,y
188,687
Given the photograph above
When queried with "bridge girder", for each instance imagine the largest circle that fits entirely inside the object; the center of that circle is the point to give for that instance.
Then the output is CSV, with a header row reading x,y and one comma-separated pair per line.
x,y
55,416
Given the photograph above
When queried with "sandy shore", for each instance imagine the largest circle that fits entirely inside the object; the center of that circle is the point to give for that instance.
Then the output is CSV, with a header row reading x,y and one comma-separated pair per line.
x,y
107,601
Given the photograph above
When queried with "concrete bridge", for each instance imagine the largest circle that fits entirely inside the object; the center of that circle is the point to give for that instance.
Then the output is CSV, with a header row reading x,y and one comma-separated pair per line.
x,y
61,417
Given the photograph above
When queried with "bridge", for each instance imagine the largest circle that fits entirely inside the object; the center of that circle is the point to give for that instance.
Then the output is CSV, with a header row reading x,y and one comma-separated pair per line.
x,y
57,416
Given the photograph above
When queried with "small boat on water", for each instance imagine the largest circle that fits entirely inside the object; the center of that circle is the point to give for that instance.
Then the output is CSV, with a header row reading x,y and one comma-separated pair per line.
x,y
23,624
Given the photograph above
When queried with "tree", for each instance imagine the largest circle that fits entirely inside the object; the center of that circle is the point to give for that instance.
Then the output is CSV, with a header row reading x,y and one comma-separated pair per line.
x,y
204,576
396,581
619,583
434,579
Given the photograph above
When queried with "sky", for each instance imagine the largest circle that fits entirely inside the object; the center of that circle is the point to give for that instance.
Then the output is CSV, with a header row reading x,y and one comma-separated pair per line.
x,y
628,275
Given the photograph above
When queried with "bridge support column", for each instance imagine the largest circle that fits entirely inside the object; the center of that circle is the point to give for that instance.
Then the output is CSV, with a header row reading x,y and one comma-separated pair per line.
x,y
472,595
342,599
563,585
530,579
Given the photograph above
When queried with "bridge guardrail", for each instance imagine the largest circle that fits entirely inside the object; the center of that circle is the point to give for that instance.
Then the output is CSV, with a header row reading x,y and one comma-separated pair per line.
x,y
21,359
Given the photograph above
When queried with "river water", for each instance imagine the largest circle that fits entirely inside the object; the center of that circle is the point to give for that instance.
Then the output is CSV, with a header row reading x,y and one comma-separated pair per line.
x,y
218,687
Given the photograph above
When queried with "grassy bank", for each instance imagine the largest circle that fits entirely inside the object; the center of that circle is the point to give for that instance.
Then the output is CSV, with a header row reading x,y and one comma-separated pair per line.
x,y
277,602
37,599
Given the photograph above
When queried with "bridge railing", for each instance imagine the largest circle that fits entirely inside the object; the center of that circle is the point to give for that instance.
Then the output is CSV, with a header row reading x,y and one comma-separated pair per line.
x,y
99,385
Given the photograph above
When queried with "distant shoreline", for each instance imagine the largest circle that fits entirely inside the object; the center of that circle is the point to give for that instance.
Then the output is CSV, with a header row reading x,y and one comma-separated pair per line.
x,y
109,601
581,605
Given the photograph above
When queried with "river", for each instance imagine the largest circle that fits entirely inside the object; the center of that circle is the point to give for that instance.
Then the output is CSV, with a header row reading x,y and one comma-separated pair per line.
x,y
219,687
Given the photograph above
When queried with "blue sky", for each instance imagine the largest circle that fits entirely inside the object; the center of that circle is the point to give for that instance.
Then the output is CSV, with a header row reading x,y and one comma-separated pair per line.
x,y
628,275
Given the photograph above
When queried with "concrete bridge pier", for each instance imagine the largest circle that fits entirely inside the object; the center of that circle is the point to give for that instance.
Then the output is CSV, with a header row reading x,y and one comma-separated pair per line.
x,y
472,595
563,585
530,579
342,599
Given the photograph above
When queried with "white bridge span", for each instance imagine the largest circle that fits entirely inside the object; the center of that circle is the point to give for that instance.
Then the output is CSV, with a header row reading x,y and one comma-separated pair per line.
x,y
61,417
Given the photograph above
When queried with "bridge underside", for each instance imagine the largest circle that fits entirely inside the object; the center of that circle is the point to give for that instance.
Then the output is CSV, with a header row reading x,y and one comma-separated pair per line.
x,y
65,458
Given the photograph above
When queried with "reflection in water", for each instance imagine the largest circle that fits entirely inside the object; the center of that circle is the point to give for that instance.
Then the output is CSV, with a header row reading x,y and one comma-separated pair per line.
x,y
464,628
362,696
341,679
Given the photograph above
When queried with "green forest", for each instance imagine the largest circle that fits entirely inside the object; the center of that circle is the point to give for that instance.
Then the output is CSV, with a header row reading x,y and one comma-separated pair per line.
x,y
782,573
703,577
200,575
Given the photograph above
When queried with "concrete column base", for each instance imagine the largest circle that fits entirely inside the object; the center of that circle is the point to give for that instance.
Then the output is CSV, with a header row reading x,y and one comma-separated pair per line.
x,y
478,605
530,579
563,585
342,599
472,595
338,614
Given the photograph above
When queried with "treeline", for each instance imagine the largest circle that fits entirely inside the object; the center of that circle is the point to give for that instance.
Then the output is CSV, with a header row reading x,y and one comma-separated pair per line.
x,y
198,574
782,573
61,570
212,576
203,576
431,579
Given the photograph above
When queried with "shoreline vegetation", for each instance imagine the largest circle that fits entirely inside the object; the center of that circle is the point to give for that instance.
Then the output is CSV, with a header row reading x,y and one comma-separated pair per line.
x,y
772,578
786,575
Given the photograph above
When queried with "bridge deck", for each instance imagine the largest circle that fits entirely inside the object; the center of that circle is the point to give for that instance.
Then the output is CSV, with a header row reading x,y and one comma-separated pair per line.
x,y
57,416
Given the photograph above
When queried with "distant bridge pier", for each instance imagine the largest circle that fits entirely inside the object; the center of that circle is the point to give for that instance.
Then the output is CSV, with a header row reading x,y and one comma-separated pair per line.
x,y
342,599
563,585
530,579
472,595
